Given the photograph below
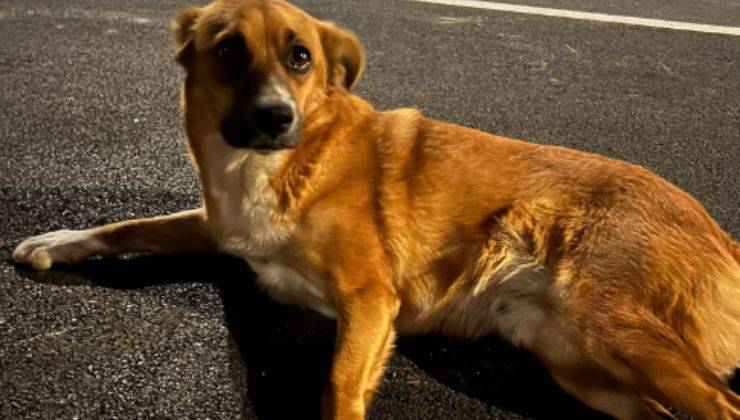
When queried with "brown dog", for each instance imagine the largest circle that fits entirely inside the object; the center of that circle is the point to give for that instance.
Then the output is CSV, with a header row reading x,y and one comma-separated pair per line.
x,y
621,284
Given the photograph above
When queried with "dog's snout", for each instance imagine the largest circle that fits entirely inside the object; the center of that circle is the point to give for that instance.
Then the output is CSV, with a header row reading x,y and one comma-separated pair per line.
x,y
274,120
264,116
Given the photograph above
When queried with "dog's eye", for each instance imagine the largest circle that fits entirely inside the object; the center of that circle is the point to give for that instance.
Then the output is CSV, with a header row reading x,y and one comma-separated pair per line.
x,y
299,59
231,53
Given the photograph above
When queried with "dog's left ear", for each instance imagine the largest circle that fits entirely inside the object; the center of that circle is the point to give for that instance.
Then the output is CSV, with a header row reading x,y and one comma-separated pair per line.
x,y
183,29
344,55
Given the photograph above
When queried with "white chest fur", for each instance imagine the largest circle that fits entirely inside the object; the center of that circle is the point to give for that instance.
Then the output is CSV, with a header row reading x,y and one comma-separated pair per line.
x,y
244,220
241,201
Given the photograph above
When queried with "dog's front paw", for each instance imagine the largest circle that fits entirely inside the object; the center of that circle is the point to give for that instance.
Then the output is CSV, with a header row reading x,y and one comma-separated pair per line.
x,y
62,246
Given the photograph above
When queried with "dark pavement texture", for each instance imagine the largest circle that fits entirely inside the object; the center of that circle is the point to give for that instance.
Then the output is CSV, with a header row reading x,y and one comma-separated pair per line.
x,y
90,133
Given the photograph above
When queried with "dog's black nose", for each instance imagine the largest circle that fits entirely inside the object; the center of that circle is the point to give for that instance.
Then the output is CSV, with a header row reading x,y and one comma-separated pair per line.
x,y
274,120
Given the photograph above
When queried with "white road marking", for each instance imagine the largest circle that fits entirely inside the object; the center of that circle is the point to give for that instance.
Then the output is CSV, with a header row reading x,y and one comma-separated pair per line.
x,y
598,17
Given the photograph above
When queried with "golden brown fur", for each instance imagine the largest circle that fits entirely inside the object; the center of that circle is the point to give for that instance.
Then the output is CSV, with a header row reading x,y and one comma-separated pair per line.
x,y
621,284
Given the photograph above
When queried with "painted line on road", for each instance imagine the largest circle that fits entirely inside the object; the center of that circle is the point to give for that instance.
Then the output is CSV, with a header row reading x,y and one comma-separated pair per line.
x,y
598,17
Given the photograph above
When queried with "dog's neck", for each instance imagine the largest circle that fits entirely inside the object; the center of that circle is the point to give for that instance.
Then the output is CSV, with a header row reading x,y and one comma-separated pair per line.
x,y
326,128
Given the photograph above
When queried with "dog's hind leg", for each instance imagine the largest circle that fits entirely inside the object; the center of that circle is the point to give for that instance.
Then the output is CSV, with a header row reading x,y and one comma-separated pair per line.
x,y
600,391
177,233
589,383
645,355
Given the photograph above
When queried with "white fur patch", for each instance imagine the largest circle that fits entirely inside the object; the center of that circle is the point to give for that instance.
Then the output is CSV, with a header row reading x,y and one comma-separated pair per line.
x,y
244,220
240,201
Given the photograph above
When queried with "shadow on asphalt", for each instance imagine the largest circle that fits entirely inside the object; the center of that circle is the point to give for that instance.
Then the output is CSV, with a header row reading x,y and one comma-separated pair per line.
x,y
287,350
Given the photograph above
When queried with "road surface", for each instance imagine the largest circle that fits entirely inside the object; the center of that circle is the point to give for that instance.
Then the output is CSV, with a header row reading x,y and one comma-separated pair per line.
x,y
90,133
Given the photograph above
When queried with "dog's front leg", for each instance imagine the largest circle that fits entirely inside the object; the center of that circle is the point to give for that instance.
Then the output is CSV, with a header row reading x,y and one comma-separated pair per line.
x,y
365,336
177,233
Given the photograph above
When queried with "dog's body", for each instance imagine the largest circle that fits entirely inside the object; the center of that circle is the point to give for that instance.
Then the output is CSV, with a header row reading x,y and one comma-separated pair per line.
x,y
621,284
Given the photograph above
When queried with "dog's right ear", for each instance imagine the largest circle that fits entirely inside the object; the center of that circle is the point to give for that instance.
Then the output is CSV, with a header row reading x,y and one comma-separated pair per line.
x,y
183,28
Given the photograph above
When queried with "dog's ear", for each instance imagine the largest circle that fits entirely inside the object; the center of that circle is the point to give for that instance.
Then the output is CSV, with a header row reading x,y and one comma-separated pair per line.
x,y
344,55
183,28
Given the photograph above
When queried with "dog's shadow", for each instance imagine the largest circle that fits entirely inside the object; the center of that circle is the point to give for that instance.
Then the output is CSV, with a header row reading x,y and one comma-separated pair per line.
x,y
287,350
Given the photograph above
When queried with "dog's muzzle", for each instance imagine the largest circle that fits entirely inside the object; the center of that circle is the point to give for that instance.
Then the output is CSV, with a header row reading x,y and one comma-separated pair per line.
x,y
270,120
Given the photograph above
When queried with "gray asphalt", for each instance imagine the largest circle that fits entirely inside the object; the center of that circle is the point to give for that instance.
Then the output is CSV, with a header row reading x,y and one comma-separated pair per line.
x,y
90,133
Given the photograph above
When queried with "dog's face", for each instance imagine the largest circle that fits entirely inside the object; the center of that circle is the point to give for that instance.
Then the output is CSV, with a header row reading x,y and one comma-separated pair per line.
x,y
255,69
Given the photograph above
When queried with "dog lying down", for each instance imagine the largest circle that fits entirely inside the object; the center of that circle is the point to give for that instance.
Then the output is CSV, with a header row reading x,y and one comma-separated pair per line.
x,y
619,282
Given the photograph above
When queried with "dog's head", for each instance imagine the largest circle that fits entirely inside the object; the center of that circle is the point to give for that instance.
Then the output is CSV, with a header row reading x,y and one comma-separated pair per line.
x,y
255,68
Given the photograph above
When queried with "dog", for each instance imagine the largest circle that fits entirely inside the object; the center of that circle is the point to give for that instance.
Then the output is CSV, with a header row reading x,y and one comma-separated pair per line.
x,y
619,282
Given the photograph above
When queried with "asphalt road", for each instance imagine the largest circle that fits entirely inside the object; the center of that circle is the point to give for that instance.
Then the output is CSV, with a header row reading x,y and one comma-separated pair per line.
x,y
90,133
